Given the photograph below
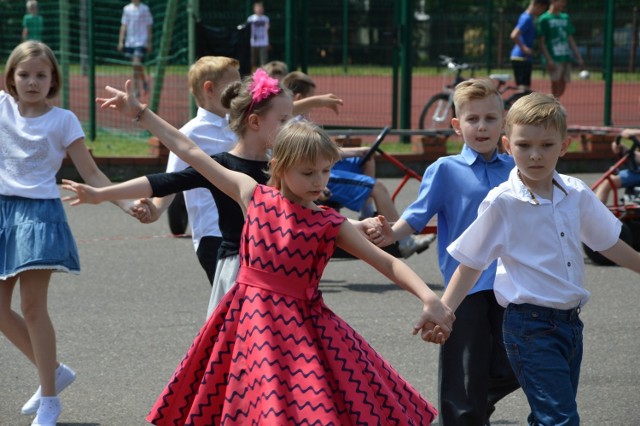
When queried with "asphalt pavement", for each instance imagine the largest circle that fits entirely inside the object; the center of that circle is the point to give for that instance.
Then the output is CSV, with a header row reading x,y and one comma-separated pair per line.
x,y
126,321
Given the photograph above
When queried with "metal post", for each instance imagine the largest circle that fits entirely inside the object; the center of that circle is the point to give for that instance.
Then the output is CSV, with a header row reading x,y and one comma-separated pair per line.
x,y
345,36
634,40
63,54
91,70
288,34
163,52
304,38
406,65
395,78
193,15
500,36
488,42
608,62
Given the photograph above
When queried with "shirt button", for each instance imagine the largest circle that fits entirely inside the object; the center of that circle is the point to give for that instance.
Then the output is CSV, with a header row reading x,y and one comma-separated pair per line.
x,y
568,263
562,234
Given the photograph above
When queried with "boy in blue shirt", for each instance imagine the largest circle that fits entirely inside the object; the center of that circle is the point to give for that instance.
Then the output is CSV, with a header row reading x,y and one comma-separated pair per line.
x,y
535,224
474,372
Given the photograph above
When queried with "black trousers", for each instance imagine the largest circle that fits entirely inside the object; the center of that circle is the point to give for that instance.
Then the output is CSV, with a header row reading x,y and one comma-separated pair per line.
x,y
474,371
208,255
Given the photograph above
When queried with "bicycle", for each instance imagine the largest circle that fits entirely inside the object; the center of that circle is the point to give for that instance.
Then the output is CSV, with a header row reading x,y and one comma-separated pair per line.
x,y
439,109
627,207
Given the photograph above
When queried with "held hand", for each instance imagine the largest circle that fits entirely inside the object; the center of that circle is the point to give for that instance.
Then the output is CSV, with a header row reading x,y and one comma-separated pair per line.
x,y
435,312
150,209
85,194
140,210
378,231
123,102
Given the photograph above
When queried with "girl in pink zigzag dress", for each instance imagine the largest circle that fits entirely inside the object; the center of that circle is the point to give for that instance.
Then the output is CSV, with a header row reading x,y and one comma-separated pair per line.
x,y
272,353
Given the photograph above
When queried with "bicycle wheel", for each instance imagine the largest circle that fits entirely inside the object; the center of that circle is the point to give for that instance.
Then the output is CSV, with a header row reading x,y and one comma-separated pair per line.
x,y
437,113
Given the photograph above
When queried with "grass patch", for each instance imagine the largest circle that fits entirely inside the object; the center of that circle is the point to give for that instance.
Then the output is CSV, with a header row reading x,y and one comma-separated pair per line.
x,y
119,144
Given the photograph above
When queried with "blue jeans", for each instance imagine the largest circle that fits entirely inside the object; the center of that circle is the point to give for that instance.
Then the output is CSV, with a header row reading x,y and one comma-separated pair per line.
x,y
544,347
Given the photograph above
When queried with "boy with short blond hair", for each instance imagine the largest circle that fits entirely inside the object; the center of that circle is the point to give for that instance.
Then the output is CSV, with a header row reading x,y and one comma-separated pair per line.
x,y
535,224
474,372
208,77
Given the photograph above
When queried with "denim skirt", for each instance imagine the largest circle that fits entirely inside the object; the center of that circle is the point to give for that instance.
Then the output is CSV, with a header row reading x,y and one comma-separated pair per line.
x,y
34,234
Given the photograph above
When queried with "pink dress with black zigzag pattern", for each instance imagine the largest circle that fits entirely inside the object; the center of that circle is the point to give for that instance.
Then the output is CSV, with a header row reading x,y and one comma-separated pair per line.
x,y
273,353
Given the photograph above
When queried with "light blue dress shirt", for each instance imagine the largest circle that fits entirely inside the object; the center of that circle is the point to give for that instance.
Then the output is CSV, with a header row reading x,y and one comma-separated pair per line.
x,y
453,188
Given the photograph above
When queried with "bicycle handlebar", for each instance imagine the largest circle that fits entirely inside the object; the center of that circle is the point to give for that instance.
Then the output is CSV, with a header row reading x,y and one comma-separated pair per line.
x,y
375,146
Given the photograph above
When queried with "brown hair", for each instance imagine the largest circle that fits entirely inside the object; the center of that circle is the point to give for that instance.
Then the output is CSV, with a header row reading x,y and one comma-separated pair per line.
x,y
237,98
299,83
276,69
25,51
208,68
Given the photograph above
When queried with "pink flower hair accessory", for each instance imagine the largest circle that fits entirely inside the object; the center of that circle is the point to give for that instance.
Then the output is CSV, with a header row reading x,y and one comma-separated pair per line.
x,y
262,87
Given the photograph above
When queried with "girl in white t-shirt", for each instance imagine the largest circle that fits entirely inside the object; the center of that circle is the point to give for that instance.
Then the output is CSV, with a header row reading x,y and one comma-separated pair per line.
x,y
35,238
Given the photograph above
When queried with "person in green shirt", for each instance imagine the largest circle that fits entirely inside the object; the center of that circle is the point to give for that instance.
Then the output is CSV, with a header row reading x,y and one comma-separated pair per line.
x,y
557,43
32,22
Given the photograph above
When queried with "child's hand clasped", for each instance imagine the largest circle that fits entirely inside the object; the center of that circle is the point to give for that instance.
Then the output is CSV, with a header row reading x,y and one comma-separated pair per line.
x,y
378,231
436,322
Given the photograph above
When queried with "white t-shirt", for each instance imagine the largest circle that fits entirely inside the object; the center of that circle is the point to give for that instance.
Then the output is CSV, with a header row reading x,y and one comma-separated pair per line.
x,y
213,135
32,149
137,19
539,245
259,30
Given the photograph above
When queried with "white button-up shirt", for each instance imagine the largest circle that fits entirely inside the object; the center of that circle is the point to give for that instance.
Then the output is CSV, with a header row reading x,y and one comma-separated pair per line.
x,y
538,241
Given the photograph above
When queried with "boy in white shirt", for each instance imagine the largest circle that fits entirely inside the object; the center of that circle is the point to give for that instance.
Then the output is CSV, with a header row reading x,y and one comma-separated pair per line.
x,y
535,223
208,77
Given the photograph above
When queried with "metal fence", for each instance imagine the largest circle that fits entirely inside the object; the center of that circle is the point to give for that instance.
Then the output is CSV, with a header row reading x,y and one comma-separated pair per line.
x,y
359,50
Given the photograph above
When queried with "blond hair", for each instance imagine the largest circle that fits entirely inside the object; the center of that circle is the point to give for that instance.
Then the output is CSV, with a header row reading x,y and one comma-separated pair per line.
x,y
237,98
300,141
299,83
25,51
537,109
474,88
208,68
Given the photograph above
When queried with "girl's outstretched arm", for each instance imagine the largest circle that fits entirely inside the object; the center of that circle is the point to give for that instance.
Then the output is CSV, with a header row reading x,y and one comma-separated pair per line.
x,y
87,194
90,173
434,312
236,185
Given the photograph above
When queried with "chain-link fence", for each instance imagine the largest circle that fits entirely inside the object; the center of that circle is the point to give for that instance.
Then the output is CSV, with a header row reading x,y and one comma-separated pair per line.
x,y
351,48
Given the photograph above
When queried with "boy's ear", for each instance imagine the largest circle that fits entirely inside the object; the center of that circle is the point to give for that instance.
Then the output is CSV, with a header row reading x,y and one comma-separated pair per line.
x,y
297,97
565,146
208,86
455,123
505,144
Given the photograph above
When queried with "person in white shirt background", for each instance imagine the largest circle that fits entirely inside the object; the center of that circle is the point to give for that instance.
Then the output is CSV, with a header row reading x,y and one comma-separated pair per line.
x,y
136,41
259,23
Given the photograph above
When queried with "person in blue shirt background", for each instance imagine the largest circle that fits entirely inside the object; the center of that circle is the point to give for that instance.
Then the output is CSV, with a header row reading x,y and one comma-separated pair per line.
x,y
523,36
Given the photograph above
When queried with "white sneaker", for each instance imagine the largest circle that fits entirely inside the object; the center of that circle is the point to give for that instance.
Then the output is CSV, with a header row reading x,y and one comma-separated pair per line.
x,y
415,244
64,377
48,412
